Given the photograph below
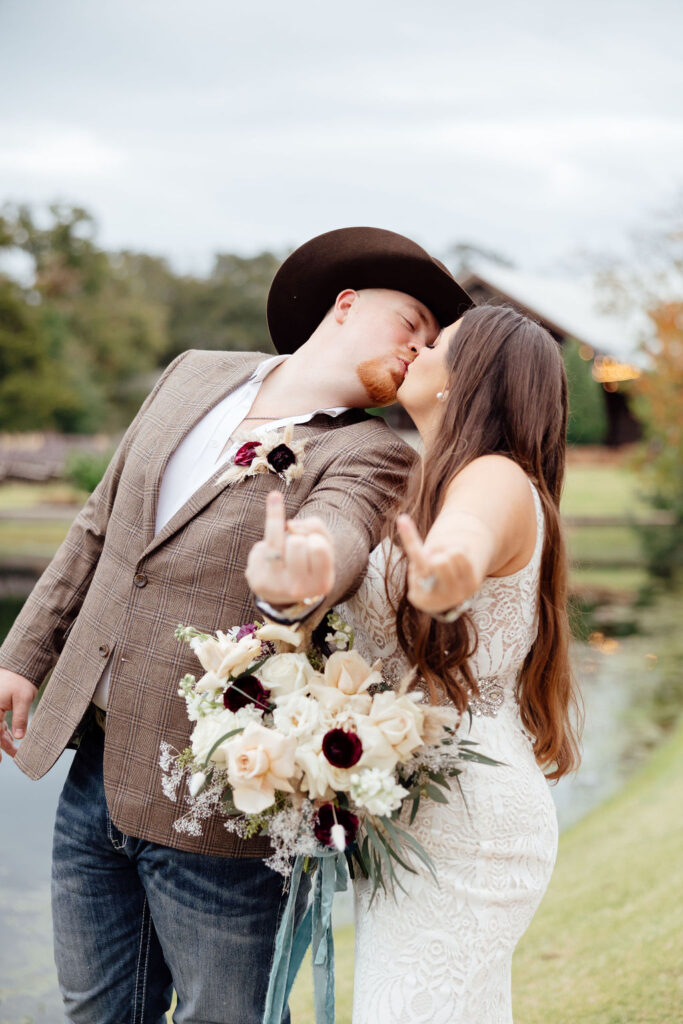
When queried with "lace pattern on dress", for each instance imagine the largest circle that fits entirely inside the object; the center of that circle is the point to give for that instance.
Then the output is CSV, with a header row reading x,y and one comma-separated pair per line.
x,y
442,953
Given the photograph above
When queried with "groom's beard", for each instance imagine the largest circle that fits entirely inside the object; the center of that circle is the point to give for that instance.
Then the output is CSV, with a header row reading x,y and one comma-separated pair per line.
x,y
379,382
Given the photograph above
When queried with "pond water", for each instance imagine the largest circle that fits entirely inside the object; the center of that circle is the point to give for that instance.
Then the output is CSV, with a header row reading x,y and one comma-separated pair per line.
x,y
28,982
611,674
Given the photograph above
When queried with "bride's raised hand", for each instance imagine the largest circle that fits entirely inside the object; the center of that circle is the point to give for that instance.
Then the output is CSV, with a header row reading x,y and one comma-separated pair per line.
x,y
438,580
294,561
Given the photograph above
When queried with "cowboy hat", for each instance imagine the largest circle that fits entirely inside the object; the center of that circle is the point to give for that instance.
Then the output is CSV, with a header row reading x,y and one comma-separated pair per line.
x,y
308,282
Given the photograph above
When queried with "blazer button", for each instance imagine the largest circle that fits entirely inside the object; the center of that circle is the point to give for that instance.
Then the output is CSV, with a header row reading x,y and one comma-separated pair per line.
x,y
105,650
140,580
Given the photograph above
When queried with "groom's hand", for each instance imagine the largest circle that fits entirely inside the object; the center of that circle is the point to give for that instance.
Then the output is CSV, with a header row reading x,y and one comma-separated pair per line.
x,y
294,561
16,695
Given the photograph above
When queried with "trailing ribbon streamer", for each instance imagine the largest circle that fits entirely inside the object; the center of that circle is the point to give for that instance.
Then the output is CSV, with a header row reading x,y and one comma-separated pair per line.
x,y
316,928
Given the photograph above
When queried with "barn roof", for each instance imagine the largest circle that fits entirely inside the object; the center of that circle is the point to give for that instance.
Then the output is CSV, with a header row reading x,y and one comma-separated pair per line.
x,y
568,306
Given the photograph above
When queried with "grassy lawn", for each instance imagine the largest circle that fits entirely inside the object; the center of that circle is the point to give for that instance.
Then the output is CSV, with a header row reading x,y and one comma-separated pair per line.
x,y
26,495
31,537
589,489
604,947
597,490
624,580
601,490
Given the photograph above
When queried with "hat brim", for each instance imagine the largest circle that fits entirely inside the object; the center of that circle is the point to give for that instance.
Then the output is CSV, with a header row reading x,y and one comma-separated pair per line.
x,y
308,282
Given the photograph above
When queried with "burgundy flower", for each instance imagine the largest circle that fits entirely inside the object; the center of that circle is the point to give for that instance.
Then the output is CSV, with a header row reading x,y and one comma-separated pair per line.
x,y
327,816
248,629
281,458
245,455
247,690
342,749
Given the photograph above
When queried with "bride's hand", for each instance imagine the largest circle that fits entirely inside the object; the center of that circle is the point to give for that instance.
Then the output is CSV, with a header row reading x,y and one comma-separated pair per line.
x,y
438,580
295,559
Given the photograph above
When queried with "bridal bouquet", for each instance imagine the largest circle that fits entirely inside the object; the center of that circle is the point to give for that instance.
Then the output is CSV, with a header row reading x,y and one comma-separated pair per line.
x,y
311,747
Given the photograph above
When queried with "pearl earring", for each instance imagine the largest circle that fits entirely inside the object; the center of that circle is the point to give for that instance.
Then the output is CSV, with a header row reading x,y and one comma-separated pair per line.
x,y
440,396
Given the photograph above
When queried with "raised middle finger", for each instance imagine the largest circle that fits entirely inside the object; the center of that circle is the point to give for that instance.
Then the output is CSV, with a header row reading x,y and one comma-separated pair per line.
x,y
274,530
297,565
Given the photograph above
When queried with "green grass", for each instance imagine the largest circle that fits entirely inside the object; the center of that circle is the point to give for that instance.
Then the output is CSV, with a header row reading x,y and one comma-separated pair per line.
x,y
589,490
32,537
601,490
27,495
604,947
617,544
625,580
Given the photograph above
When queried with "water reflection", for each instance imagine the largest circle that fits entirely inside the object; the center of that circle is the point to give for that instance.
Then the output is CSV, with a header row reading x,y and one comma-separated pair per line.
x,y
608,685
28,982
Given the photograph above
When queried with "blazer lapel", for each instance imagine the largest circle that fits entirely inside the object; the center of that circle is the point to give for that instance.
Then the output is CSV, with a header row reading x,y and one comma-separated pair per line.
x,y
203,395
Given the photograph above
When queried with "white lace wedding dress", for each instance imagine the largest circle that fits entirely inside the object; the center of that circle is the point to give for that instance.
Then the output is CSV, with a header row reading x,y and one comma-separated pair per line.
x,y
442,953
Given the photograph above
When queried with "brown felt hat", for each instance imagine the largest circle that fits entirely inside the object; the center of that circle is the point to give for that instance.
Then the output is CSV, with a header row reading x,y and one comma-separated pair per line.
x,y
309,280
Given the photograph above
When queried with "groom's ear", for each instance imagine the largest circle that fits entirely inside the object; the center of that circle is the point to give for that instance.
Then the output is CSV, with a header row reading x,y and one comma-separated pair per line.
x,y
344,303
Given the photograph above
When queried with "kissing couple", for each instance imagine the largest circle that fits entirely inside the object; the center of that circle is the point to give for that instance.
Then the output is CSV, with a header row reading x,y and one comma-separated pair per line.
x,y
451,564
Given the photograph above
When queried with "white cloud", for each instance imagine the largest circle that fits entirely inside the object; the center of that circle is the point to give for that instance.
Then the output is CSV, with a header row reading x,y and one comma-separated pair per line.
x,y
50,153
188,127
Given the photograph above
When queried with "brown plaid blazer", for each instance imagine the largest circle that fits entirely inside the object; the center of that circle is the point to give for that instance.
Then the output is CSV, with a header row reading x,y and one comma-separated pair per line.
x,y
116,591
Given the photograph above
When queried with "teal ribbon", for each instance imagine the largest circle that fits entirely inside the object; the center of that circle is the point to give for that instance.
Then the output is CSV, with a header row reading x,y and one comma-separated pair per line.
x,y
315,929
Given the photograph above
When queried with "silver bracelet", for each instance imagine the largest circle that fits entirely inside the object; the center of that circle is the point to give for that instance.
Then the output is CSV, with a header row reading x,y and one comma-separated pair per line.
x,y
453,614
291,613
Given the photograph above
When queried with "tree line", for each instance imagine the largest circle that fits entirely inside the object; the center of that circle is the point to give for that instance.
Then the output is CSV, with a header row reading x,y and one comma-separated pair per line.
x,y
83,338
82,341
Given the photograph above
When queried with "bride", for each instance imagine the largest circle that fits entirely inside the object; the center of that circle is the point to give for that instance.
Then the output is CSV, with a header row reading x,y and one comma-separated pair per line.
x,y
479,609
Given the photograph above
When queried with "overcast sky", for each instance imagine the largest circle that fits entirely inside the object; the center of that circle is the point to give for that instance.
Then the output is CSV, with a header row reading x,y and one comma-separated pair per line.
x,y
192,127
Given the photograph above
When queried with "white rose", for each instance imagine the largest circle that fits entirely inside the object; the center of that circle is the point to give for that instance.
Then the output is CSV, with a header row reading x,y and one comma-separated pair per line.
x,y
286,673
208,652
316,770
239,656
335,704
350,673
211,651
207,731
377,750
291,635
296,714
260,761
401,721
209,683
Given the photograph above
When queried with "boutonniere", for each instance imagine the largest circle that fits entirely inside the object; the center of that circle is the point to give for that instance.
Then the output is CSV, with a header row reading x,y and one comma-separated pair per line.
x,y
273,452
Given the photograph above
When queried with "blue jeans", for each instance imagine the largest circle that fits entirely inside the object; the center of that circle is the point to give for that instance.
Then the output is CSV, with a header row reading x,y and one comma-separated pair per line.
x,y
133,919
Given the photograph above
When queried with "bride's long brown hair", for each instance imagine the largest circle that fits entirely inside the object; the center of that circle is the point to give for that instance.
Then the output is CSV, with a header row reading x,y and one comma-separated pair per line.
x,y
507,394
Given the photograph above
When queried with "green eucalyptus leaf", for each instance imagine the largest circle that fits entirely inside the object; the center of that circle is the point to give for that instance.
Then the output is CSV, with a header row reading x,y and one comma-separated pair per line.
x,y
220,740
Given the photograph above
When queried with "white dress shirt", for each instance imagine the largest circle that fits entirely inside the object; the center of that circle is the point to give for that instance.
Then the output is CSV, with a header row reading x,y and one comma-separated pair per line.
x,y
201,453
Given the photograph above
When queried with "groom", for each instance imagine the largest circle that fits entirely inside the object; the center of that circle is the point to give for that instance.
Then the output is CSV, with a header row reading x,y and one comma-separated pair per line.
x,y
138,907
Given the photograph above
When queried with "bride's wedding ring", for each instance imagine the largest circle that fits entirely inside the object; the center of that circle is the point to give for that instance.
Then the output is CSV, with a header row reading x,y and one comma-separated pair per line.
x,y
274,556
427,582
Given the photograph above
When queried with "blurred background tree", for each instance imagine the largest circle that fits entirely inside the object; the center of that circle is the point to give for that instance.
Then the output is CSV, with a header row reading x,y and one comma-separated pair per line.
x,y
653,281
587,415
82,342
660,404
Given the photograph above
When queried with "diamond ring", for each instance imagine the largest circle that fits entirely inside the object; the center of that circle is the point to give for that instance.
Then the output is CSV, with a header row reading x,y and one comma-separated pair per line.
x,y
428,582
273,556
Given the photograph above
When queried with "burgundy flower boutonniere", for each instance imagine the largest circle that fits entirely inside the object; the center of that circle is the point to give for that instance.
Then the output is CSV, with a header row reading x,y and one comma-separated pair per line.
x,y
273,452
